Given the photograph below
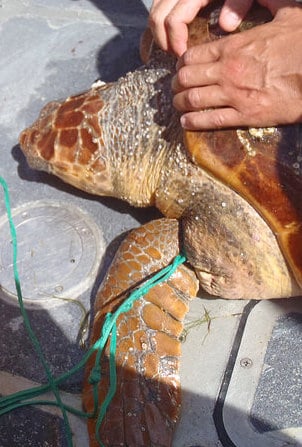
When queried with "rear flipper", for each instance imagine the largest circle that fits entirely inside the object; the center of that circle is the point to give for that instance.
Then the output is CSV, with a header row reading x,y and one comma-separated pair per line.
x,y
146,405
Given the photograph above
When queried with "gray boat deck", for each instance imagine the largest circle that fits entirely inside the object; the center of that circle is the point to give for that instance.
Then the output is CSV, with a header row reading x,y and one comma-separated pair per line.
x,y
241,374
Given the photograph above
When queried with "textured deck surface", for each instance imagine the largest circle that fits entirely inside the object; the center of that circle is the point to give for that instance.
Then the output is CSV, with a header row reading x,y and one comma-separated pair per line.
x,y
241,370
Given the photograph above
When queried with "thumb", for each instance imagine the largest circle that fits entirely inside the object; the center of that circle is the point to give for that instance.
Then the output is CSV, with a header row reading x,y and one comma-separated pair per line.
x,y
233,12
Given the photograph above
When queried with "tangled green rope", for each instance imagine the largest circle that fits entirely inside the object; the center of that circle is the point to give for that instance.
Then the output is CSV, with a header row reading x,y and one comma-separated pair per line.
x,y
27,397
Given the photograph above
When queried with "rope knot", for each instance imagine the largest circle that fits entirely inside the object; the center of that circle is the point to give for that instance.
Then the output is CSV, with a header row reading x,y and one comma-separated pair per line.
x,y
95,375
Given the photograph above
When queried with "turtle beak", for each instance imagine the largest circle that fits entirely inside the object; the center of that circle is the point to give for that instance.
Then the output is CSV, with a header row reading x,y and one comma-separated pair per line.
x,y
37,141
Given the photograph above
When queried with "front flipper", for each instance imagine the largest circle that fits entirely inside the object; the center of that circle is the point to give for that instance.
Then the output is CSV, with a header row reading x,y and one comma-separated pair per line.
x,y
146,405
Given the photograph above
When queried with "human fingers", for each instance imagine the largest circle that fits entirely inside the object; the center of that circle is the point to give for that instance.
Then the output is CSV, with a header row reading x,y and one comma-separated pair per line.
x,y
177,21
169,21
201,54
196,99
233,12
220,118
158,13
197,75
260,77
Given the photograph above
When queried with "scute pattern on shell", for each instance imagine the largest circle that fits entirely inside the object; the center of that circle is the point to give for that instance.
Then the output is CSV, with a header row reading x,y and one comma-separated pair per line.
x,y
262,167
124,140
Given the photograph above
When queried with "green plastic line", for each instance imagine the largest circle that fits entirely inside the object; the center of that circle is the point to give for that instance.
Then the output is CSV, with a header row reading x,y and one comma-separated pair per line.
x,y
21,398
31,333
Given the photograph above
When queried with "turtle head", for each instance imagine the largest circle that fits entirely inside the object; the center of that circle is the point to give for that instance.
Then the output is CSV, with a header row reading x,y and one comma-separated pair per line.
x,y
110,140
66,140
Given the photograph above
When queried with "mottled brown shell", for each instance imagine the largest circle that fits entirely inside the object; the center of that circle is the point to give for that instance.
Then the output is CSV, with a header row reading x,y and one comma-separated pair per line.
x,y
262,165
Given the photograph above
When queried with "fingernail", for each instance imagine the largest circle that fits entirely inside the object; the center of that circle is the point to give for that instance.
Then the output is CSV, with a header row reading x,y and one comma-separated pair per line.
x,y
183,121
232,20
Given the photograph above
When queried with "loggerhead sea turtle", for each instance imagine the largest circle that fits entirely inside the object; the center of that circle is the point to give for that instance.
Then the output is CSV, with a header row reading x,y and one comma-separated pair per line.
x,y
232,201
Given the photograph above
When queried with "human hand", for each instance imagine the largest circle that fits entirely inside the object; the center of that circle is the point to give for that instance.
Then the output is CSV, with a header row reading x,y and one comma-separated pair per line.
x,y
169,20
253,78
